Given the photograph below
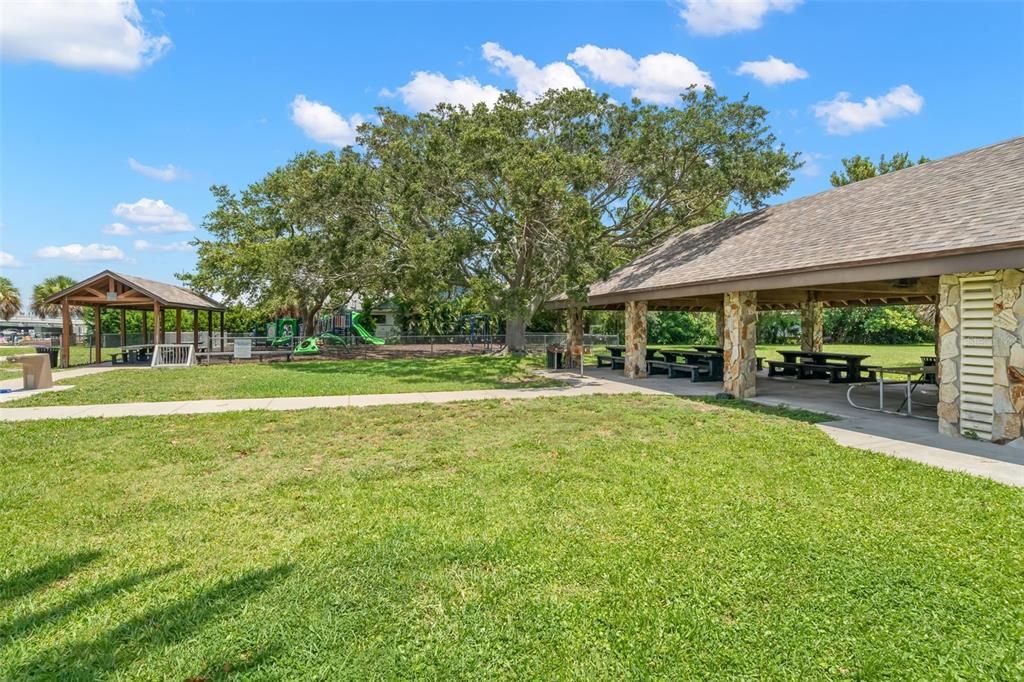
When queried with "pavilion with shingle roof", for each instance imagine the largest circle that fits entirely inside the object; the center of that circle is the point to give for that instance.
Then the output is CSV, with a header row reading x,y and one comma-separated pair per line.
x,y
110,289
948,232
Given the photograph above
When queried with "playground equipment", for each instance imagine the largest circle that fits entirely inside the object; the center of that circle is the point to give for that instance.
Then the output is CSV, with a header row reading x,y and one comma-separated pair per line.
x,y
311,346
286,330
366,336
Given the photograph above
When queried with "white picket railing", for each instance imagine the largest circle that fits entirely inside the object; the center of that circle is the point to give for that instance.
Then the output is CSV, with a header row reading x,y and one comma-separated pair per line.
x,y
173,355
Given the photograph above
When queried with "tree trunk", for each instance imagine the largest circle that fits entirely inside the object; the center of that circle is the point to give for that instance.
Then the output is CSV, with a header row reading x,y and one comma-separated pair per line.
x,y
515,334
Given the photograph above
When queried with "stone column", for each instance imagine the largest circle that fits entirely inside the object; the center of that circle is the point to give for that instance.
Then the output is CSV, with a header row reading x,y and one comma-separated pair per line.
x,y
948,407
1008,356
636,339
811,327
720,326
740,340
574,328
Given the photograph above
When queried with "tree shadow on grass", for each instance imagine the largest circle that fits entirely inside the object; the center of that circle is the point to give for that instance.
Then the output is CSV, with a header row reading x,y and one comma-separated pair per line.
x,y
23,625
57,568
141,636
796,414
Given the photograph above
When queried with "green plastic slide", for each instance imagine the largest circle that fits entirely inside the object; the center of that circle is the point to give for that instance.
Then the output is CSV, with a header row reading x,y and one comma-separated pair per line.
x,y
367,336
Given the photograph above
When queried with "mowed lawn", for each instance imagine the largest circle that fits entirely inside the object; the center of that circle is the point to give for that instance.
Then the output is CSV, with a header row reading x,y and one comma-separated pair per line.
x,y
599,537
299,378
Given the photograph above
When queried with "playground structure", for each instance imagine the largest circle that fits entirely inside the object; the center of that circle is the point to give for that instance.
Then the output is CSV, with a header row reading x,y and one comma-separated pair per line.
x,y
343,328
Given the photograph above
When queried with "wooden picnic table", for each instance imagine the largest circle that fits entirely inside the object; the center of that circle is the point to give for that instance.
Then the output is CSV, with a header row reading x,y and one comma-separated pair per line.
x,y
836,367
710,349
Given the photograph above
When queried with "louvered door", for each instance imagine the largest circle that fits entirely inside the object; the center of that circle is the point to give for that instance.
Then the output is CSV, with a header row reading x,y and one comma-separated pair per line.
x,y
976,312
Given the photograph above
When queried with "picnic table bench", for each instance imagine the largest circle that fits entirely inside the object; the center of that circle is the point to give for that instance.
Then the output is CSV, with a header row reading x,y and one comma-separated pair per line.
x,y
836,367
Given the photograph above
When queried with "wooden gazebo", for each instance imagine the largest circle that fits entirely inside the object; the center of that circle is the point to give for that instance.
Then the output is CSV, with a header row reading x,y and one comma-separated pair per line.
x,y
126,292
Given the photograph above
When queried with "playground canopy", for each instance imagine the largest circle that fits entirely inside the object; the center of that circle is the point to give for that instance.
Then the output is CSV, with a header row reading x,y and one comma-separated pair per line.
x,y
110,289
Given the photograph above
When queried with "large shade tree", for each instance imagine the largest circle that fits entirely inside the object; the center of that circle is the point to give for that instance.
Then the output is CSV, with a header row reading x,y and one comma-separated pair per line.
x,y
10,299
295,240
523,200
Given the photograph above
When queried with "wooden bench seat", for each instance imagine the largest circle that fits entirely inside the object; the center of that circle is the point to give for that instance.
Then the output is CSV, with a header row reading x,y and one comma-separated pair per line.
x,y
603,360
804,370
695,372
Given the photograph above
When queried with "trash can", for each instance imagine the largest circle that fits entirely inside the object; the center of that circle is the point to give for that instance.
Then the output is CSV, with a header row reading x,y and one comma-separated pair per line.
x,y
54,354
556,357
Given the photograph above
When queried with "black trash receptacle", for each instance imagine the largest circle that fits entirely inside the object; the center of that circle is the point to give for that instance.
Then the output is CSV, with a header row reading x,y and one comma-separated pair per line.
x,y
54,354
556,357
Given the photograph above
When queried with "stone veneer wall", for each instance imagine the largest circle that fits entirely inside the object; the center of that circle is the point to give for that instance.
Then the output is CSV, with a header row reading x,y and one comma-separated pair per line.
x,y
1007,354
740,340
812,330
720,326
574,328
636,340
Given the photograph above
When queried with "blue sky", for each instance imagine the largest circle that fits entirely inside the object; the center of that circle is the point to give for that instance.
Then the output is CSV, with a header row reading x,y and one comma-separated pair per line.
x,y
116,119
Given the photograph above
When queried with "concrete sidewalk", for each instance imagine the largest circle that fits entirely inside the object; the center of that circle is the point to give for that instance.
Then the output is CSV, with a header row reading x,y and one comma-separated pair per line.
x,y
574,387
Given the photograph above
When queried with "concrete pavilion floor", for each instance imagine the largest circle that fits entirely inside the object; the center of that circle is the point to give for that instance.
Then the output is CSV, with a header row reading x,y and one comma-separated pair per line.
x,y
909,438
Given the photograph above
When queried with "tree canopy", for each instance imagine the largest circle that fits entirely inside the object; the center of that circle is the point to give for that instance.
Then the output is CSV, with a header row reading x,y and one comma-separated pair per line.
x,y
10,299
48,287
523,200
857,167
295,240
510,204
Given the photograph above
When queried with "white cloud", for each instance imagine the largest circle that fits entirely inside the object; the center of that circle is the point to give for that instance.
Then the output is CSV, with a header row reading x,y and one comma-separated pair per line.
x,y
842,116
426,90
118,230
168,173
772,71
718,17
8,260
152,215
143,245
106,36
658,78
532,81
323,124
81,252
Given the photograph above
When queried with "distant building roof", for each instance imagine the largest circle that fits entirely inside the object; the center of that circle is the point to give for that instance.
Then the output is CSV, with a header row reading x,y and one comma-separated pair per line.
x,y
970,203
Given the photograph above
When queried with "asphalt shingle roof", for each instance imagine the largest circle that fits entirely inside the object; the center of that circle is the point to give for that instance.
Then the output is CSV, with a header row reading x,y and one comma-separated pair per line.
x,y
970,202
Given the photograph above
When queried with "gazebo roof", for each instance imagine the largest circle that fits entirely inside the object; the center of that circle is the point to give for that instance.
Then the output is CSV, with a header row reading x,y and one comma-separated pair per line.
x,y
115,290
958,214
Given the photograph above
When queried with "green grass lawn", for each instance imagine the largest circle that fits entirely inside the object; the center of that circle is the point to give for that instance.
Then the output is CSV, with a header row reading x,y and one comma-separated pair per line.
x,y
300,378
601,537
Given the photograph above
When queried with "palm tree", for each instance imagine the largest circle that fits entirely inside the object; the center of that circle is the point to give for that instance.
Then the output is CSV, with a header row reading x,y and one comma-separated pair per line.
x,y
48,287
10,299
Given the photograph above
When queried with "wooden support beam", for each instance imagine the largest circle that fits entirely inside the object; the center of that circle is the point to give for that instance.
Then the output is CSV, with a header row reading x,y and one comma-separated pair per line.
x,y
222,330
145,327
177,325
65,337
158,324
97,333
195,331
124,329
209,330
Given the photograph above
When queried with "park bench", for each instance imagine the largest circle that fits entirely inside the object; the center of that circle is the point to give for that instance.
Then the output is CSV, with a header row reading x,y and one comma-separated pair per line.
x,y
806,370
123,355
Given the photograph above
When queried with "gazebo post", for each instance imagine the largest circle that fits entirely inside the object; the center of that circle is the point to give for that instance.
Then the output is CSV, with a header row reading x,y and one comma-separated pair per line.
x,y
177,326
740,357
195,331
222,330
635,366
209,330
97,332
811,329
158,324
65,337
145,327
124,330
